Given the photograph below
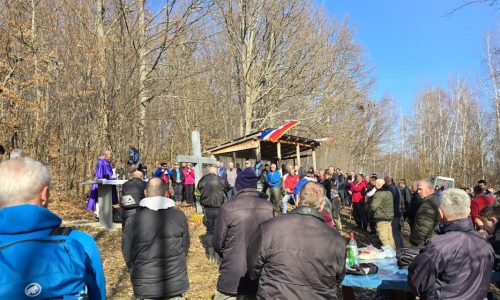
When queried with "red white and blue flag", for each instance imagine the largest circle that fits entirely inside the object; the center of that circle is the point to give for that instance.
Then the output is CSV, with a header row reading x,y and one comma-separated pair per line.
x,y
274,134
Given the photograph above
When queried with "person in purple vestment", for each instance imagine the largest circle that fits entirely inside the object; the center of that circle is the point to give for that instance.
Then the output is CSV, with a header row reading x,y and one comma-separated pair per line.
x,y
103,170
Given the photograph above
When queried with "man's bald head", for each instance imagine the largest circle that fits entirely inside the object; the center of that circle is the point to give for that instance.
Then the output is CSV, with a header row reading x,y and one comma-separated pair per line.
x,y
138,174
106,154
156,187
379,183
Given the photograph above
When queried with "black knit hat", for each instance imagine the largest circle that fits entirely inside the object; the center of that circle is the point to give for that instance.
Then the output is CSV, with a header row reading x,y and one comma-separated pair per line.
x,y
246,179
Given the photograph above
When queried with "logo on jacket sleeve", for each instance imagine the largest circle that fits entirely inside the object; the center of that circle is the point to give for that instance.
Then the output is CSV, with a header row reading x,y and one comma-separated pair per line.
x,y
33,289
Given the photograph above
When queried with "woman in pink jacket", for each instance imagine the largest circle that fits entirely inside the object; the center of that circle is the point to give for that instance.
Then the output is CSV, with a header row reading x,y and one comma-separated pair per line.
x,y
189,184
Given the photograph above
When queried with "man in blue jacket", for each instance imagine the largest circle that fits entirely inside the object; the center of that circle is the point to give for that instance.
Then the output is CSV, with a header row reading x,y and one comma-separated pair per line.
x,y
273,180
24,219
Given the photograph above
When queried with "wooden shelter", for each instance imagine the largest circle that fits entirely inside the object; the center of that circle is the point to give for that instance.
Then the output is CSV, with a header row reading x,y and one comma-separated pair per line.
x,y
285,148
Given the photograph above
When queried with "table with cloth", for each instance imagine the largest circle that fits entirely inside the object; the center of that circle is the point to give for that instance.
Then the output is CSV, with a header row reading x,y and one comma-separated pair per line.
x,y
388,277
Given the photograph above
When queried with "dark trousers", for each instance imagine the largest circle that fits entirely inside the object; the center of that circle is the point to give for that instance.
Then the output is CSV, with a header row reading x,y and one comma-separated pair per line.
x,y
178,187
397,226
209,220
359,214
189,193
344,197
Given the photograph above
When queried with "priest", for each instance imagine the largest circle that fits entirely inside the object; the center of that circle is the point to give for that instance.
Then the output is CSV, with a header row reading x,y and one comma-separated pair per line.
x,y
103,170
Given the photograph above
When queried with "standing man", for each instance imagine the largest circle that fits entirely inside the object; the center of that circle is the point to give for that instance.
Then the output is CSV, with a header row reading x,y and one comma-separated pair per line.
x,y
29,266
342,186
155,245
478,204
273,180
238,219
427,214
484,186
231,174
382,210
358,191
213,189
132,194
103,170
164,173
189,184
178,181
405,193
288,265
291,180
397,221
221,170
456,264
415,200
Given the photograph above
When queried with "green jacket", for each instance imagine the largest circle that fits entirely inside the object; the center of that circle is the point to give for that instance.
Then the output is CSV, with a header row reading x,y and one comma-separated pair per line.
x,y
381,205
426,219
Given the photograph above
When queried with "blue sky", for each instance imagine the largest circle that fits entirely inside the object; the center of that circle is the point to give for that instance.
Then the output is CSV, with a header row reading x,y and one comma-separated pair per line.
x,y
411,43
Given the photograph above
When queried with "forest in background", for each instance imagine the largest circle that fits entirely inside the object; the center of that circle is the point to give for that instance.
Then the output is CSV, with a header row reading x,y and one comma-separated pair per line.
x,y
77,77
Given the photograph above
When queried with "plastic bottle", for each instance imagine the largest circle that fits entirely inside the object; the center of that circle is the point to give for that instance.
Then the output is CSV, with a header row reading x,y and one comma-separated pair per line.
x,y
352,252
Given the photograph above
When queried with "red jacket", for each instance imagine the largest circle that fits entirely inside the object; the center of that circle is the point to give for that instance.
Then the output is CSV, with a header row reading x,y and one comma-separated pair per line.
x,y
358,191
291,182
478,204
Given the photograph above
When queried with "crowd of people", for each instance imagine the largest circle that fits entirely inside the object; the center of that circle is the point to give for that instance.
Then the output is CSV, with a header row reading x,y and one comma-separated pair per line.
x,y
275,232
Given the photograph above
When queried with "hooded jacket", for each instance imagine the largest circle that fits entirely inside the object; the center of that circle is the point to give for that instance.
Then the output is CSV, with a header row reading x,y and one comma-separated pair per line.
x,y
293,266
456,264
29,221
238,219
155,245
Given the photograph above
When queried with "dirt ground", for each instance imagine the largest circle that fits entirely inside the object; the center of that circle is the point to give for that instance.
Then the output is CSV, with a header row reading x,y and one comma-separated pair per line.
x,y
202,273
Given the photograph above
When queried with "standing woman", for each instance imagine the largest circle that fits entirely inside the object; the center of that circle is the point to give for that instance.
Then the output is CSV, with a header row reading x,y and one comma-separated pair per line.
x,y
189,184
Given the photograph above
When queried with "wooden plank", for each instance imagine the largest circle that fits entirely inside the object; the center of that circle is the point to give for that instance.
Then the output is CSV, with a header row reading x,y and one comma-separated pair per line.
x,y
250,144
196,160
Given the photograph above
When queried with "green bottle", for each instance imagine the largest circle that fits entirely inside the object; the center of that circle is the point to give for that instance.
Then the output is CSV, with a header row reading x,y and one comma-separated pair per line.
x,y
352,252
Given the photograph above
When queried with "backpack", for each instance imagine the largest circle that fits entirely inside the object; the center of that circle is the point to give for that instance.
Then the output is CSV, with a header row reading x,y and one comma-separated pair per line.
x,y
50,267
133,156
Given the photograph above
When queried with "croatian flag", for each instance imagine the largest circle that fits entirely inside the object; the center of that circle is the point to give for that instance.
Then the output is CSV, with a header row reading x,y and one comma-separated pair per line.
x,y
274,134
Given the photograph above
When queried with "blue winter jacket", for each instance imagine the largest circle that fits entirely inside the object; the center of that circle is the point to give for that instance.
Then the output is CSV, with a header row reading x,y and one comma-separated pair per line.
x,y
28,221
274,179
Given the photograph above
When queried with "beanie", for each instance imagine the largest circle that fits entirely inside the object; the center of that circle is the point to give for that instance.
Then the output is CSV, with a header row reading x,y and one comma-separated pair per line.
x,y
246,179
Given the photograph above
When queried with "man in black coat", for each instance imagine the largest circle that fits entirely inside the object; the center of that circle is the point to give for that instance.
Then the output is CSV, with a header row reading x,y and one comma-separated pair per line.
x,y
132,194
397,220
456,264
238,219
155,245
297,256
178,183
213,189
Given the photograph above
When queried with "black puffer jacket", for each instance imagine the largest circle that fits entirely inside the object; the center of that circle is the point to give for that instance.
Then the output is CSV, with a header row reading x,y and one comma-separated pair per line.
x,y
213,190
155,245
456,264
296,256
238,219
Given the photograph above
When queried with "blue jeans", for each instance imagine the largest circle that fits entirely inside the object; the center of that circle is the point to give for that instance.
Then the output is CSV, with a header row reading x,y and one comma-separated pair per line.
x,y
284,202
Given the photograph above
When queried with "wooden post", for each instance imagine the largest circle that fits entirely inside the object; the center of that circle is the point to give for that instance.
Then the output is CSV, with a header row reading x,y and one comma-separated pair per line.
x,y
298,155
234,158
278,148
314,158
257,153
